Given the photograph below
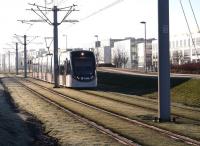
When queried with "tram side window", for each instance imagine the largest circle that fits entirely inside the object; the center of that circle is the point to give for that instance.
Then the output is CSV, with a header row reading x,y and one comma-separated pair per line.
x,y
35,67
61,69
48,68
44,68
68,67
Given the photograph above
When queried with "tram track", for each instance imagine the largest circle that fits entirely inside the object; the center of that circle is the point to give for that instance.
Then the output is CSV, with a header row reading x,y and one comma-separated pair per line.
x,y
167,133
150,105
100,128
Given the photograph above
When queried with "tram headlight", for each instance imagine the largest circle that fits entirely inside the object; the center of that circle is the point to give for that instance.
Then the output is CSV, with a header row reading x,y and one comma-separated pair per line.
x,y
82,53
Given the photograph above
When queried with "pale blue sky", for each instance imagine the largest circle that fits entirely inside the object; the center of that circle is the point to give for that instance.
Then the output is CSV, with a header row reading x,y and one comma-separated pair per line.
x,y
121,20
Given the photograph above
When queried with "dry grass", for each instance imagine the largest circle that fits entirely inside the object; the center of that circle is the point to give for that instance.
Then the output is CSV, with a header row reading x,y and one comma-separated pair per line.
x,y
58,124
139,134
184,111
183,90
182,126
187,93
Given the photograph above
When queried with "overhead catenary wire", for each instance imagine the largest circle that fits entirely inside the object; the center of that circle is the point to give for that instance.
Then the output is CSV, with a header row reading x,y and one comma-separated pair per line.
x,y
194,16
60,2
44,17
102,9
110,5
192,39
46,11
18,39
55,24
46,8
47,3
67,14
30,26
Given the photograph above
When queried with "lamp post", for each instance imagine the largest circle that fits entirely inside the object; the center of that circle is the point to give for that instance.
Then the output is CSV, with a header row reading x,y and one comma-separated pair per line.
x,y
9,61
17,67
96,37
97,44
145,46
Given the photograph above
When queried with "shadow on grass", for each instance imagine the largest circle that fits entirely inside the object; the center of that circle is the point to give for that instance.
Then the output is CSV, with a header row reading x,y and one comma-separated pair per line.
x,y
132,84
19,128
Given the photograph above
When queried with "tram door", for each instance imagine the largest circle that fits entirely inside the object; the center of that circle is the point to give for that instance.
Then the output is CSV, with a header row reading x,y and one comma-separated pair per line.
x,y
64,73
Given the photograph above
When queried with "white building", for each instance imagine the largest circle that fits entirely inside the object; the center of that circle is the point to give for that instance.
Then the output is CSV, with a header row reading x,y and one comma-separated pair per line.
x,y
141,55
183,49
103,52
122,51
104,55
155,54
133,50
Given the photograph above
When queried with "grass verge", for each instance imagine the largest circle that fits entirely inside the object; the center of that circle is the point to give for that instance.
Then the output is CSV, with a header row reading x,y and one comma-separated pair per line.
x,y
183,90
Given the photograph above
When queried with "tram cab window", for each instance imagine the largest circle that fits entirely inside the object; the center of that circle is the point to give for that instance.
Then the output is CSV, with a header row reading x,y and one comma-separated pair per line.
x,y
83,66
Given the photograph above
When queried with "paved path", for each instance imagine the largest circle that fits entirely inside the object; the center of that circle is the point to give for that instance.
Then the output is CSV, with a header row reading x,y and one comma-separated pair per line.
x,y
153,74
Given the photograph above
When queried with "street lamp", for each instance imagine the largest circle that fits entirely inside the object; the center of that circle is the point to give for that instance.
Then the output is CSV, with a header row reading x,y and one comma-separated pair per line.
x,y
145,46
96,37
97,44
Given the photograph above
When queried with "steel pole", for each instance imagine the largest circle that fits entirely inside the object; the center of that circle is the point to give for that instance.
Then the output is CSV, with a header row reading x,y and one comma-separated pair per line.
x,y
145,48
55,34
9,61
25,58
164,62
4,62
16,62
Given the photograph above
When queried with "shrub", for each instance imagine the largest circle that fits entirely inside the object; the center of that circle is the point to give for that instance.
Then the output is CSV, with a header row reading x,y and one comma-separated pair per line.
x,y
191,68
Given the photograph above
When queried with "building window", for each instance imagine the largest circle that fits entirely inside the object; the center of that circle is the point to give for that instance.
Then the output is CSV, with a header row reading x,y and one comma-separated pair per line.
x,y
195,52
173,44
181,43
186,52
193,41
189,42
198,41
184,43
176,44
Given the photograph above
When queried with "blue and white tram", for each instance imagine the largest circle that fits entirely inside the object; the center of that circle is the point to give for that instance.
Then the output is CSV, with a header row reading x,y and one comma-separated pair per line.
x,y
35,68
76,69
42,68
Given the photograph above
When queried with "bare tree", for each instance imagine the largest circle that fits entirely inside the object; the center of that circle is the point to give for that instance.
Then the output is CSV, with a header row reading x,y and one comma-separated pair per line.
x,y
124,59
120,58
178,57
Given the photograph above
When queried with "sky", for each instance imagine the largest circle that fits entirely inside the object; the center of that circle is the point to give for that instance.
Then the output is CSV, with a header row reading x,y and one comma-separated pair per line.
x,y
105,18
